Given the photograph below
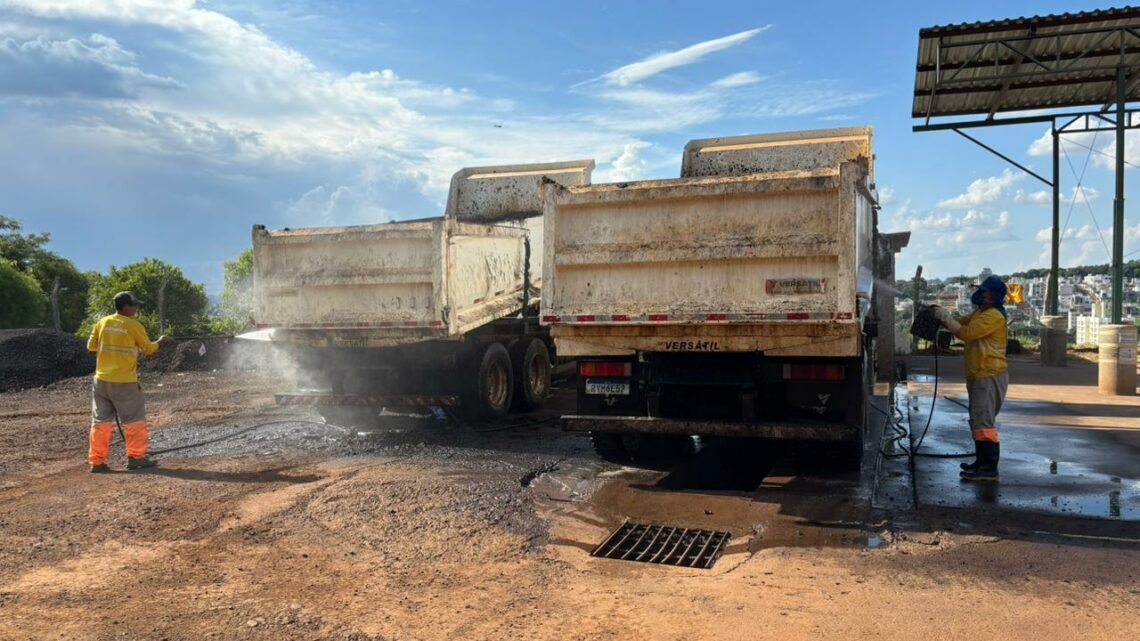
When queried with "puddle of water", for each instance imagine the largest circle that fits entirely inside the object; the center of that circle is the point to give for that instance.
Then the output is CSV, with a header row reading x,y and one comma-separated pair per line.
x,y
751,488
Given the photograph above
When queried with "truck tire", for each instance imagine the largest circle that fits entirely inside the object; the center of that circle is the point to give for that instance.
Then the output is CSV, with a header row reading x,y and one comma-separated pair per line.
x,y
657,449
531,363
609,447
490,391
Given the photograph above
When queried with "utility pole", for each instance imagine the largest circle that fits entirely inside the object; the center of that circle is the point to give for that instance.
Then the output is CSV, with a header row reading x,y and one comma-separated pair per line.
x,y
55,322
914,306
162,304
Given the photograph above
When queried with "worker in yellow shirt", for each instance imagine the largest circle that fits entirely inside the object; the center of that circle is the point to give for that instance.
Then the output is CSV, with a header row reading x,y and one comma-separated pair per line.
x,y
117,340
987,376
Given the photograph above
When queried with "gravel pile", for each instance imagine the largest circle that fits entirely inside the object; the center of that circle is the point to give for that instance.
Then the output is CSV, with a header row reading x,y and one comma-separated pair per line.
x,y
37,357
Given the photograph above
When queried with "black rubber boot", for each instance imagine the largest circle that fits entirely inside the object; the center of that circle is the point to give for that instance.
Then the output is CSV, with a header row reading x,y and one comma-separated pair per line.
x,y
970,467
140,463
986,470
100,469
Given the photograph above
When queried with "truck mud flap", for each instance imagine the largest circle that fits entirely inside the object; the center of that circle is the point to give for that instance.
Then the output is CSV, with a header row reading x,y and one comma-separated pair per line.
x,y
366,400
649,425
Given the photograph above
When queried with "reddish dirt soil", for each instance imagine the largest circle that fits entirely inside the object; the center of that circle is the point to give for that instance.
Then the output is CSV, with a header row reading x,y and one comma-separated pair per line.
x,y
436,538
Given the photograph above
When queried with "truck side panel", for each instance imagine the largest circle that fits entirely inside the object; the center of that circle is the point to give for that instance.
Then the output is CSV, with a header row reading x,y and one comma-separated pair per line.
x,y
348,276
485,273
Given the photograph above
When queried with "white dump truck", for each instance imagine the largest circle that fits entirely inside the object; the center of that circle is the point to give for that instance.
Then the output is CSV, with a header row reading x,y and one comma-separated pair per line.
x,y
437,312
734,301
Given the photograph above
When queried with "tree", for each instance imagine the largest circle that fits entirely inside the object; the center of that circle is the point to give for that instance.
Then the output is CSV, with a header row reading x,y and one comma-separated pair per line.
x,y
18,247
29,255
49,267
237,290
161,286
22,303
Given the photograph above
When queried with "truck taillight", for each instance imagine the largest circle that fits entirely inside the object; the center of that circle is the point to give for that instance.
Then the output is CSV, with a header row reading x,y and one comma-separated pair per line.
x,y
605,369
800,372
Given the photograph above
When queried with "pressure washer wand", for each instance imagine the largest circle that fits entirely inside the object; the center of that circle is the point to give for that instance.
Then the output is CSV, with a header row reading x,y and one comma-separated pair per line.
x,y
120,426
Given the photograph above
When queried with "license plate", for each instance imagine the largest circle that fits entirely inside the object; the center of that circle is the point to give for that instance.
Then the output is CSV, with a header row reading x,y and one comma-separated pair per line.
x,y
607,388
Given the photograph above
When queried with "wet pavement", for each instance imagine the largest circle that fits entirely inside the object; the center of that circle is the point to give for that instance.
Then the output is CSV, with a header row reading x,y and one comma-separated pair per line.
x,y
1066,452
1044,468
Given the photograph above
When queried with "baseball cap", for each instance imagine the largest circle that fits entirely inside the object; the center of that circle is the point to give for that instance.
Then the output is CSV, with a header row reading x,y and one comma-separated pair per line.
x,y
122,299
995,285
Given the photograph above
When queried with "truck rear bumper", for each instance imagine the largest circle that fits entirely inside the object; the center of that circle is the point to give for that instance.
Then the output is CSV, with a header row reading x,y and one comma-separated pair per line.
x,y
649,425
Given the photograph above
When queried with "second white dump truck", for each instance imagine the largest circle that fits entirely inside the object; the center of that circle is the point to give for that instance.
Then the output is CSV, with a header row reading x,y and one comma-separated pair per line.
x,y
437,312
733,301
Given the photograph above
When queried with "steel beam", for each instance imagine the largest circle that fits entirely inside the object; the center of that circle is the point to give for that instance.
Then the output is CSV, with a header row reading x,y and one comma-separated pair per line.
x,y
972,124
1068,128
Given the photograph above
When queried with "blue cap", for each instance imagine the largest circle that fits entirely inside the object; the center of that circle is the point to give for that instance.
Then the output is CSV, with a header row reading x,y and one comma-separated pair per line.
x,y
995,286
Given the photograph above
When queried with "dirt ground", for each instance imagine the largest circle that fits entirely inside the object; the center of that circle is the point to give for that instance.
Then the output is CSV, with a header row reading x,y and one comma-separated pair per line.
x,y
298,530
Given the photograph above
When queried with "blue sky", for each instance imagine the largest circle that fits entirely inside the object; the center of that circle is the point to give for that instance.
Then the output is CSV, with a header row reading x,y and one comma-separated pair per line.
x,y
166,128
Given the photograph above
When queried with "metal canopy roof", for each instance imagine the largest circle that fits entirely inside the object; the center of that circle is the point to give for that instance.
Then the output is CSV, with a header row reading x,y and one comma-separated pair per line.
x,y
1039,62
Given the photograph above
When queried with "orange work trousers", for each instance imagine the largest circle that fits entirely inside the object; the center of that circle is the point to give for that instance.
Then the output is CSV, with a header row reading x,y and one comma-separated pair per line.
x,y
124,401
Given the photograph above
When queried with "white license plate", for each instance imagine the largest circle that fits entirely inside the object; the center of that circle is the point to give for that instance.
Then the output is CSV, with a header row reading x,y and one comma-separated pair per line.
x,y
607,388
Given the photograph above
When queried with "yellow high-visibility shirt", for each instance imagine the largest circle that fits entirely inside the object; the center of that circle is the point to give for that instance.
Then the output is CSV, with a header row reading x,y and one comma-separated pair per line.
x,y
985,336
117,341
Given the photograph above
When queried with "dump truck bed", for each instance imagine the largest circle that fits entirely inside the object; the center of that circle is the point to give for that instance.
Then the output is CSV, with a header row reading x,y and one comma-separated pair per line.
x,y
407,282
776,262
383,285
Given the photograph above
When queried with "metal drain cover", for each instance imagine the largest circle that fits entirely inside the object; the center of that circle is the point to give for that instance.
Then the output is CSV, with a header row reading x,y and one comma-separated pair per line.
x,y
663,544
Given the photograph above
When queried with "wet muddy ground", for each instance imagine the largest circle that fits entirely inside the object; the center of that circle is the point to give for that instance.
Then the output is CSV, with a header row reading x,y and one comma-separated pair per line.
x,y
264,523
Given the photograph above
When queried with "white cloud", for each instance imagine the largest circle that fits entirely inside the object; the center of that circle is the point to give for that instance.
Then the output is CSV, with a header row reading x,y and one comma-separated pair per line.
x,y
983,191
629,165
836,118
943,230
325,205
1079,194
886,196
1035,198
1086,245
636,72
741,79
1098,147
642,110
98,67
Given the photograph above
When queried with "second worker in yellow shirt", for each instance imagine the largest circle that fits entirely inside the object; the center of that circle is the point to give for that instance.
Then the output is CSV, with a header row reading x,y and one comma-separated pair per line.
x,y
987,376
117,340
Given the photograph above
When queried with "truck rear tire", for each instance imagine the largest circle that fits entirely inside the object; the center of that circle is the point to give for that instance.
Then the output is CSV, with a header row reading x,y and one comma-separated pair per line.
x,y
531,363
490,391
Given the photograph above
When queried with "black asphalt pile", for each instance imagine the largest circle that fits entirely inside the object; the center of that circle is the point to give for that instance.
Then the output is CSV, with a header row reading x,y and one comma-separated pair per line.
x,y
37,357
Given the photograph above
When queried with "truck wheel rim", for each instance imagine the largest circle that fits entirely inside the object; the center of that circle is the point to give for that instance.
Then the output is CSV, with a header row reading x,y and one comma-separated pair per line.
x,y
498,386
536,378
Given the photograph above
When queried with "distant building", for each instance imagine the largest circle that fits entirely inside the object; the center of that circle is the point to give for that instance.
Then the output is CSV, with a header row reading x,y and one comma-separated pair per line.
x,y
1088,330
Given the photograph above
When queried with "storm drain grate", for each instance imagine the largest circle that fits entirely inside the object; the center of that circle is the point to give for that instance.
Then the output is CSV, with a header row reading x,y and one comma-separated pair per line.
x,y
663,544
